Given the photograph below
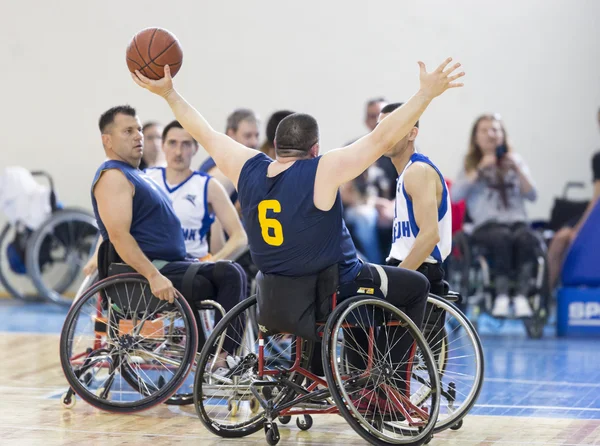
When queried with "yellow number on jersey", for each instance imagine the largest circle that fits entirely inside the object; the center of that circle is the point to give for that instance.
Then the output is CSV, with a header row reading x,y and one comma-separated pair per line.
x,y
270,223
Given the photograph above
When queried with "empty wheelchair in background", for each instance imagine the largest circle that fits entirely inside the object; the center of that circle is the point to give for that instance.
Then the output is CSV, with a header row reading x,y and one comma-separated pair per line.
x,y
122,349
385,400
51,256
470,272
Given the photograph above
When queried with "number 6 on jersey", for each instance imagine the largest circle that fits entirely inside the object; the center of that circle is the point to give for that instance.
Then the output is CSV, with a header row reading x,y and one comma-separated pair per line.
x,y
276,239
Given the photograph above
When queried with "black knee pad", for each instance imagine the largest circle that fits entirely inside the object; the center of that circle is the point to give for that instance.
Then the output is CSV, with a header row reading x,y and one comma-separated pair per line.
x,y
225,271
203,288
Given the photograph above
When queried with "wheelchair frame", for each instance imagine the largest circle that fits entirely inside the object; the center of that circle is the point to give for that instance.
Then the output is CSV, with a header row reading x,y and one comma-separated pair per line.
x,y
484,291
80,362
310,398
33,248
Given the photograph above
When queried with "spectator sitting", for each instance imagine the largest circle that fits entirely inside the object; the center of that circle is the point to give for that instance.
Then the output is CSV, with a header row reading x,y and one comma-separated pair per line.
x,y
495,183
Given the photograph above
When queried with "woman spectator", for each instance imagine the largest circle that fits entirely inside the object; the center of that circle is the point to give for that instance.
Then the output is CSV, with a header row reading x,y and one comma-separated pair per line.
x,y
495,182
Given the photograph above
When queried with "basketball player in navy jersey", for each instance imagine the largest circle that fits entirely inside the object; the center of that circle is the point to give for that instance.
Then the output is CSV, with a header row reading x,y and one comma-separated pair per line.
x,y
197,198
422,230
137,217
291,206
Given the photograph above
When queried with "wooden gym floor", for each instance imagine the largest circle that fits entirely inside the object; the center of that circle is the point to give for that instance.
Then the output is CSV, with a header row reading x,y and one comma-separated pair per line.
x,y
536,393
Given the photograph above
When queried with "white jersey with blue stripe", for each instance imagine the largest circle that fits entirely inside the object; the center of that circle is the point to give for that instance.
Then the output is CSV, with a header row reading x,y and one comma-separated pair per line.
x,y
190,202
405,226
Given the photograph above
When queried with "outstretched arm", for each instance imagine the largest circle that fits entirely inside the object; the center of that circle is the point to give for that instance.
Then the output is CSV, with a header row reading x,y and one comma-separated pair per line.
x,y
229,155
342,165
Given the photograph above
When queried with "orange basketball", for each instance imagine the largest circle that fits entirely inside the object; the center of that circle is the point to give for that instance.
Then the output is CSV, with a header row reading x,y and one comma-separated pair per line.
x,y
151,49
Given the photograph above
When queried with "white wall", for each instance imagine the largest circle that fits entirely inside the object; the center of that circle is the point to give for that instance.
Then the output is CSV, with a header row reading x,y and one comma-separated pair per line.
x,y
534,61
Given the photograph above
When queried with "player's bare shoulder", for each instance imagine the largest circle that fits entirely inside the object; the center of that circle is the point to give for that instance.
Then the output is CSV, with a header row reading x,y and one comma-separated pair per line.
x,y
419,175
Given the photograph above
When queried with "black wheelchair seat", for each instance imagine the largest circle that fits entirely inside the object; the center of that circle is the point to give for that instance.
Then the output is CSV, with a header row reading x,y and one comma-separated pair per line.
x,y
295,304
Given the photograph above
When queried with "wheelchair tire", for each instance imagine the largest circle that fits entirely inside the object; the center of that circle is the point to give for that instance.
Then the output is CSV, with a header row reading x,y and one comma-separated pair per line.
x,y
202,395
373,432
456,374
167,347
72,231
534,326
459,266
7,276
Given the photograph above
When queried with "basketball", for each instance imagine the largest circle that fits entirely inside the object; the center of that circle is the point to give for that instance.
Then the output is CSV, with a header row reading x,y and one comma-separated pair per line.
x,y
151,49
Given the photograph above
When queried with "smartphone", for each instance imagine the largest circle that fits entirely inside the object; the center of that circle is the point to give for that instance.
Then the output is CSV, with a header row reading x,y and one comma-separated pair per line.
x,y
501,150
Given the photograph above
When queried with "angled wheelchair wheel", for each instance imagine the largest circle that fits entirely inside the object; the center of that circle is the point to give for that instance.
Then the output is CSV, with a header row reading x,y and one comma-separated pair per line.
x,y
17,283
458,354
386,362
539,301
58,251
459,266
123,350
231,400
206,312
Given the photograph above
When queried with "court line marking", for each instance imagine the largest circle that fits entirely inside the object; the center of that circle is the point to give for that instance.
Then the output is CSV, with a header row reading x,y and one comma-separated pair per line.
x,y
541,383
508,406
201,436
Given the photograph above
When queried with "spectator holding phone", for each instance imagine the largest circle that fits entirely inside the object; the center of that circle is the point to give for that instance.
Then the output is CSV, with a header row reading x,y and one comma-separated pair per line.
x,y
495,182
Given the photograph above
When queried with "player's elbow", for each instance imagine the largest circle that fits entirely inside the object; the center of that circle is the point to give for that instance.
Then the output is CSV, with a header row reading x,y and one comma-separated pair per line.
x,y
432,237
240,237
243,238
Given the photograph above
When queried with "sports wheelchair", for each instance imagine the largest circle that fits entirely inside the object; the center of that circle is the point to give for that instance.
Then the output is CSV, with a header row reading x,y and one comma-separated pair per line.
x,y
122,349
471,273
50,257
426,389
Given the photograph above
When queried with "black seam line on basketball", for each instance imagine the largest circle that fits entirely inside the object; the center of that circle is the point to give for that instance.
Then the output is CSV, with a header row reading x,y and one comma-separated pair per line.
x,y
142,57
150,43
171,65
159,54
134,61
152,60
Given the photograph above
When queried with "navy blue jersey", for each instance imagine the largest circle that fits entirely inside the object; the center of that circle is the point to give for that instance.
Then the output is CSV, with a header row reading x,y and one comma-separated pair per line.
x,y
209,164
154,225
287,234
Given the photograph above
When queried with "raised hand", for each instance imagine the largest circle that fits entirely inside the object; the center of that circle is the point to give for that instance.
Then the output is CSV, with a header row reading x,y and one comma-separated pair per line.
x,y
440,80
161,87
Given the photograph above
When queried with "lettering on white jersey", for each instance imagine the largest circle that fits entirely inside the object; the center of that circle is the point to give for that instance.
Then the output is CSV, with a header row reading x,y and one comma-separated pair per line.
x,y
405,229
190,203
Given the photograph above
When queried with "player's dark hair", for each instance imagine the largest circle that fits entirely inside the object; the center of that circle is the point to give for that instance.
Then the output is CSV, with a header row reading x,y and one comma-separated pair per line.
x,y
296,134
173,125
273,122
149,124
108,117
239,115
391,107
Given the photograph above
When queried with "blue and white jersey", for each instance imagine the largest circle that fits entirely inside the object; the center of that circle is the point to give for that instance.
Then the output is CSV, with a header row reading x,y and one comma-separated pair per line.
x,y
190,202
405,226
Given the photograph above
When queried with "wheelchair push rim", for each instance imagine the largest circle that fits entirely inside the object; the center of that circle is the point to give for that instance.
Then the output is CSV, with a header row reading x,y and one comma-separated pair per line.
x,y
120,355
372,400
458,353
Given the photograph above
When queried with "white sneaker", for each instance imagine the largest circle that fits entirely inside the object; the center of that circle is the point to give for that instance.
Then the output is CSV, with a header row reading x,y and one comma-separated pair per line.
x,y
522,307
501,306
233,361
